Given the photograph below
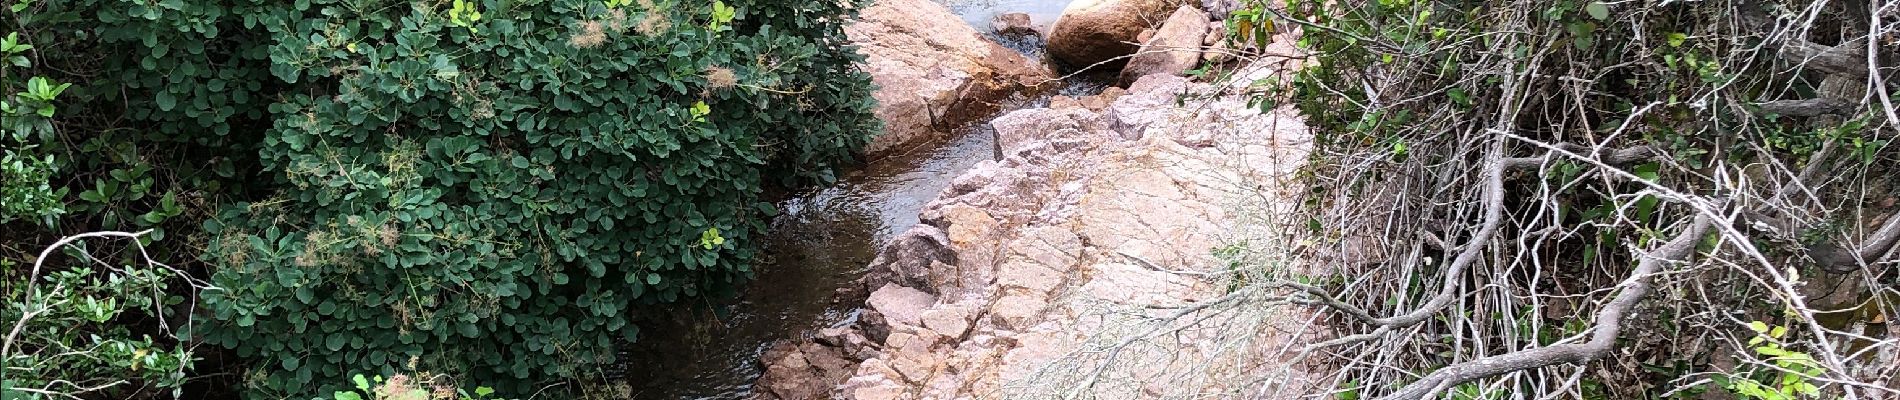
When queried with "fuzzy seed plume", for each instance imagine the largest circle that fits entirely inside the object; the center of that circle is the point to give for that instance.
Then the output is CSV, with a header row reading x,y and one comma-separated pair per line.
x,y
590,35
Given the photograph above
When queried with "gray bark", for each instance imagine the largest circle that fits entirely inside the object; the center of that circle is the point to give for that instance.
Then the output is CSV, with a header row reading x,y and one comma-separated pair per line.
x,y
1609,324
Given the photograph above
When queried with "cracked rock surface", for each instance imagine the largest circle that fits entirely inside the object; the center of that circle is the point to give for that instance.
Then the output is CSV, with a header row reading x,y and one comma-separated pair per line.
x,y
1078,262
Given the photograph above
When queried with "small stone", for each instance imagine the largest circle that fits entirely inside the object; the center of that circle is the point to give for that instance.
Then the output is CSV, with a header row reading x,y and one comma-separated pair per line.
x,y
908,258
1062,102
912,356
1013,24
878,390
1217,49
949,321
1220,9
1017,311
943,386
1102,100
968,225
832,336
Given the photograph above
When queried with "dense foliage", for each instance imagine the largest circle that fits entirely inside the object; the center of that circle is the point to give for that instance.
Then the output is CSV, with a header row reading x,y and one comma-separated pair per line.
x,y
494,189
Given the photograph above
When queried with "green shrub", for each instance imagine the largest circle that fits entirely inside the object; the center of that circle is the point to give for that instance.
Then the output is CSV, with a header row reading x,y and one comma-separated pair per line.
x,y
497,188
80,321
88,328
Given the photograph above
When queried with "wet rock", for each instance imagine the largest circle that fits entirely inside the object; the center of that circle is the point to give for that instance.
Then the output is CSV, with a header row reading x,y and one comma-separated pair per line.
x,y
1175,48
907,260
1093,31
933,71
831,364
787,375
1013,24
803,371
850,341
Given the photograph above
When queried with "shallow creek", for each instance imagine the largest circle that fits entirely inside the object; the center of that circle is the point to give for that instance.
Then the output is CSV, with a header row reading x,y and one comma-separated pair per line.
x,y
820,242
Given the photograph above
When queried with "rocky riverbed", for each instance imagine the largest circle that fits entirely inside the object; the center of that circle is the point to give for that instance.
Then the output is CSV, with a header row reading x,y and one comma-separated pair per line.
x,y
1080,261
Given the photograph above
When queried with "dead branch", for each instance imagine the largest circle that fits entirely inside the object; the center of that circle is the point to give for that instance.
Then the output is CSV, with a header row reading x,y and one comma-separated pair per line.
x,y
1808,107
1848,58
1609,324
1836,259
1623,156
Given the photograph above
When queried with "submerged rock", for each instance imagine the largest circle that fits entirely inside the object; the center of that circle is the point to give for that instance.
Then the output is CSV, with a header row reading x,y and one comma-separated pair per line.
x,y
907,259
1175,48
933,71
803,371
1095,31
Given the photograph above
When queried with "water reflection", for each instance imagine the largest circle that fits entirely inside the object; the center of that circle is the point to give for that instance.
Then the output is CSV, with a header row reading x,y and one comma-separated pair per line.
x,y
1042,13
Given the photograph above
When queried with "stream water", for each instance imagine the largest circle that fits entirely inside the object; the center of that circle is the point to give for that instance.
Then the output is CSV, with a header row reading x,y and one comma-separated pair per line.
x,y
820,242
978,13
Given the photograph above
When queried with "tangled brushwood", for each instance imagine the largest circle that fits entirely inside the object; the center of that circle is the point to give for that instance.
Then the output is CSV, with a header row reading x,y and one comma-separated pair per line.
x,y
1588,199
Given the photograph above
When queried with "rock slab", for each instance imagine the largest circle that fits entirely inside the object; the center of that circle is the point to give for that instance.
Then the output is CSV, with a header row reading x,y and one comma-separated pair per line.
x,y
933,71
1175,48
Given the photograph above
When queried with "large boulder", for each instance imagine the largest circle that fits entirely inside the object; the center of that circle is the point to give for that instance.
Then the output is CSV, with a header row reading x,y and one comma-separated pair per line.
x,y
1094,31
1174,50
933,71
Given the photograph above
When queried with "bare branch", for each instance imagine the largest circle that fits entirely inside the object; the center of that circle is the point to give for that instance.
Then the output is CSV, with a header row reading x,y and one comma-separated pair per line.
x,y
1609,325
1808,107
1624,156
1848,58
